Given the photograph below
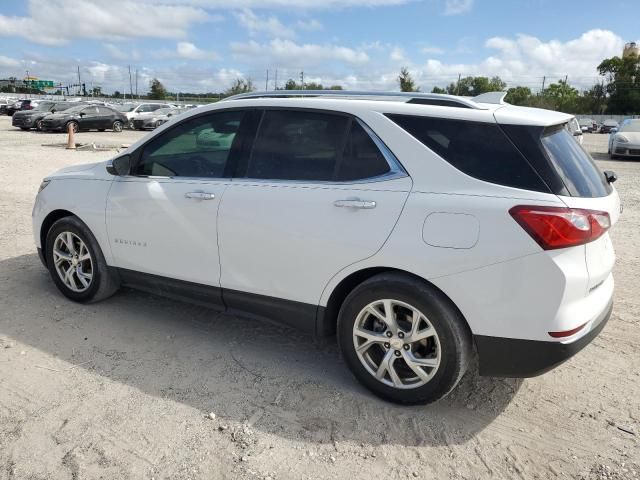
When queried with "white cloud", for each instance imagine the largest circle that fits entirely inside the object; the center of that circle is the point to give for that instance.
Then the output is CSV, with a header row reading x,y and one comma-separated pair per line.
x,y
398,55
457,7
8,62
311,25
288,53
187,51
432,50
56,22
302,4
118,53
269,25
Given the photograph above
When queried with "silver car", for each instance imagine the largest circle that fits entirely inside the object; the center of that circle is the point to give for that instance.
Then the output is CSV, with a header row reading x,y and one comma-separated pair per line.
x,y
154,119
626,141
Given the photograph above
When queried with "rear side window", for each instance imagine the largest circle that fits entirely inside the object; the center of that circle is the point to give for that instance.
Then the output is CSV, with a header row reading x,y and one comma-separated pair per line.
x,y
361,158
480,150
575,167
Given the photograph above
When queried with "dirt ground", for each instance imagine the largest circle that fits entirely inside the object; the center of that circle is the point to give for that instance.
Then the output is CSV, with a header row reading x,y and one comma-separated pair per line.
x,y
123,389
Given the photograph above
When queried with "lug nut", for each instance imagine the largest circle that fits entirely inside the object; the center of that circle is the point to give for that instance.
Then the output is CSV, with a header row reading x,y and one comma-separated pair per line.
x,y
406,346
386,345
389,334
401,334
397,353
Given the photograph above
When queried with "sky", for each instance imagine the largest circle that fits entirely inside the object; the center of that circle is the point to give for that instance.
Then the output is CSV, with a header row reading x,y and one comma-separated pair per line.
x,y
203,45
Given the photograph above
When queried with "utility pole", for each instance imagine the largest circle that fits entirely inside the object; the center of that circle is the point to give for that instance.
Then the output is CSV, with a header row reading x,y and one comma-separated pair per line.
x,y
130,84
302,80
28,84
458,86
266,82
275,83
543,80
137,96
79,82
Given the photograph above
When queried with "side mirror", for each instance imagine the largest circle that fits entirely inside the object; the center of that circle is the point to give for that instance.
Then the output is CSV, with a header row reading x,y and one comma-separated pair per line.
x,y
119,166
613,130
577,133
610,175
82,114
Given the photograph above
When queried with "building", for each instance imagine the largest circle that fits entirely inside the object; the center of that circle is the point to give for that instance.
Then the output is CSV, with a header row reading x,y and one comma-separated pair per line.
x,y
631,48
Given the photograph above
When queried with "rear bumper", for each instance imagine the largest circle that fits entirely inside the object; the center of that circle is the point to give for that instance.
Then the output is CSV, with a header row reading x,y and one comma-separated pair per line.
x,y
509,357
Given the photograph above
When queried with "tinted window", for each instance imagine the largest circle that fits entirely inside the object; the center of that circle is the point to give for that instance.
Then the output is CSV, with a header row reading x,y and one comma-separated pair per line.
x,y
105,111
361,158
480,150
574,166
198,147
297,145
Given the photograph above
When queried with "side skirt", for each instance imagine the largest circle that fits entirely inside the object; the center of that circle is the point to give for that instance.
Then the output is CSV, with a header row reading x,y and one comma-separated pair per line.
x,y
299,315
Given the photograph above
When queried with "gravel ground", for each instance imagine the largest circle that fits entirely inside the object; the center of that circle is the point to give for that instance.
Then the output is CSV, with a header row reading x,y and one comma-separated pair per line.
x,y
124,389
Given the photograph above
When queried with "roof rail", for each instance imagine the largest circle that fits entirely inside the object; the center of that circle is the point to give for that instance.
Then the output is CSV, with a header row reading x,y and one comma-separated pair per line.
x,y
407,97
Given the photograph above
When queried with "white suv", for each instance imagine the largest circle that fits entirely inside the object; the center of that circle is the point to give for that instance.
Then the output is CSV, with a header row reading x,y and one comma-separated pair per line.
x,y
420,228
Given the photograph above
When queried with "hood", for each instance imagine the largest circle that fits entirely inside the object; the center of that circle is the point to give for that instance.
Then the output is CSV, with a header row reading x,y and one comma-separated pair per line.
x,y
89,171
633,137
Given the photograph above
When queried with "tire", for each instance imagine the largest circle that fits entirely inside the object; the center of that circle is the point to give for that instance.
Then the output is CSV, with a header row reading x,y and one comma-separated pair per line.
x,y
101,129
39,125
450,349
25,129
117,126
102,284
74,126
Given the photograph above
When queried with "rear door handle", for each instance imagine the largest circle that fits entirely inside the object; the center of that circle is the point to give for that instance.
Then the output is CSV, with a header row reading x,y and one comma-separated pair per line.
x,y
200,195
355,203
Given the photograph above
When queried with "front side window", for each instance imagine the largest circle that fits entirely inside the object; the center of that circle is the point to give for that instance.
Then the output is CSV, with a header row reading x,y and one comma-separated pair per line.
x,y
197,147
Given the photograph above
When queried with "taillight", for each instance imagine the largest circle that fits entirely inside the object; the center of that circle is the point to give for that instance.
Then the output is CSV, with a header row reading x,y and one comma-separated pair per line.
x,y
561,227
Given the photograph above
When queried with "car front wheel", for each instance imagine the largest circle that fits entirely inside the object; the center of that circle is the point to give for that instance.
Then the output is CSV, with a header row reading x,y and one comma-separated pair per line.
x,y
117,126
76,263
403,339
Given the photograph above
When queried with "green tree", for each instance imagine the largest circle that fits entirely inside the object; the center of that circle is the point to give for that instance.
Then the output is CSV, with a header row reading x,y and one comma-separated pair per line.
x,y
472,86
156,90
518,96
240,85
407,83
623,87
437,89
562,96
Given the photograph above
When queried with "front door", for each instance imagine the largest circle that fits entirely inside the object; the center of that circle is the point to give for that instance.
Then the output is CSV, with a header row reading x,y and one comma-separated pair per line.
x,y
161,219
320,192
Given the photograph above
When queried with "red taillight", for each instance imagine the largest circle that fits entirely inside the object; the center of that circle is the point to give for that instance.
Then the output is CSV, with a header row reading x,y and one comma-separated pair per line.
x,y
561,227
568,333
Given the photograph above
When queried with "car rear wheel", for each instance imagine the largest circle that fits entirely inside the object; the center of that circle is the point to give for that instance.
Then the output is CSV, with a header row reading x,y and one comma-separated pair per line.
x,y
76,263
403,339
117,126
74,127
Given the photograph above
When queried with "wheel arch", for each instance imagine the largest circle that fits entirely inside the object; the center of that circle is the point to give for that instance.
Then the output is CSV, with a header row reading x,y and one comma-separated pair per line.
x,y
327,318
48,221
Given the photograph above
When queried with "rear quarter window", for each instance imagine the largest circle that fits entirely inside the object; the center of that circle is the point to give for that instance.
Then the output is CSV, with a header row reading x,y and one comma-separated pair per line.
x,y
481,150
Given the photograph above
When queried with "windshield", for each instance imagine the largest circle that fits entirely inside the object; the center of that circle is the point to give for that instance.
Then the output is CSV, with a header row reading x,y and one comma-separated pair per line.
x,y
43,106
127,107
632,126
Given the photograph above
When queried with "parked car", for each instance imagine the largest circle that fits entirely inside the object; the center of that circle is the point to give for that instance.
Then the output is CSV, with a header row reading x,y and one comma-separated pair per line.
x,y
4,103
626,141
22,104
85,117
132,110
419,234
151,120
28,119
608,125
588,125
573,127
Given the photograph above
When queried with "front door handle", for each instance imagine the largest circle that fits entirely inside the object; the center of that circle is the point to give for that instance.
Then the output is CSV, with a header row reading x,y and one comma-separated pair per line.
x,y
200,195
355,203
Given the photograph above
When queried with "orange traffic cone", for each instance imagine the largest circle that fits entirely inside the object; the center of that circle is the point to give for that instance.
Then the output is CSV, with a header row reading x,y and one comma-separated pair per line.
x,y
71,143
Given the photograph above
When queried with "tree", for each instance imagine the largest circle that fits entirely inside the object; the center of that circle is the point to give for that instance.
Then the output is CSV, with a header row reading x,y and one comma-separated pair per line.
x,y
292,85
406,81
623,87
97,91
562,95
240,85
438,90
156,90
116,94
472,86
518,96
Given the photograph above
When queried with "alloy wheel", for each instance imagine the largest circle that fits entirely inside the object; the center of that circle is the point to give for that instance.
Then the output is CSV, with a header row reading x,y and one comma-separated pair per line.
x,y
117,126
72,261
396,344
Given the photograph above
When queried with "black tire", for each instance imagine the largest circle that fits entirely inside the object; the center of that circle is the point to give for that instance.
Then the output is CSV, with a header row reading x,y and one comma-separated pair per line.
x,y
25,129
39,126
104,282
74,126
101,129
117,126
452,330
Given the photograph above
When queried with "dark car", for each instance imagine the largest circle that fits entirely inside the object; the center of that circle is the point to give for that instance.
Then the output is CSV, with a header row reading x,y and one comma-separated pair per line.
x,y
18,105
28,119
85,117
608,125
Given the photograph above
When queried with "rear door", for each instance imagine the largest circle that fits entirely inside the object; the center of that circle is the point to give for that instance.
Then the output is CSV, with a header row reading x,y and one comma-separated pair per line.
x,y
318,192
